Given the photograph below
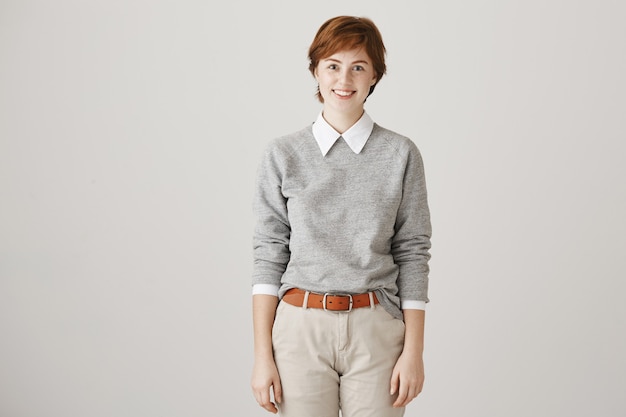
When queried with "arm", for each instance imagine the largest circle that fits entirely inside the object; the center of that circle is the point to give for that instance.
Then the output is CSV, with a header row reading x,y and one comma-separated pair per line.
x,y
411,244
410,248
407,378
271,255
264,374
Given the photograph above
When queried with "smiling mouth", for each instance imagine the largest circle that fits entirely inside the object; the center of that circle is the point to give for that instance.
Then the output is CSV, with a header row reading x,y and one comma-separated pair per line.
x,y
343,93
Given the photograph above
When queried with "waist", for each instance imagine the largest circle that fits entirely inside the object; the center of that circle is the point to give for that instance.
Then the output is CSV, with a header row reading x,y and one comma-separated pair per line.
x,y
332,302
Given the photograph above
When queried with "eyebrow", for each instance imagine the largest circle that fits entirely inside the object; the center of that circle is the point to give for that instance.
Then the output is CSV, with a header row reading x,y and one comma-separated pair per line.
x,y
355,62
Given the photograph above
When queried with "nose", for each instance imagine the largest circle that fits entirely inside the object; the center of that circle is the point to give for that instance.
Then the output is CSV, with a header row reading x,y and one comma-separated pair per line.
x,y
345,75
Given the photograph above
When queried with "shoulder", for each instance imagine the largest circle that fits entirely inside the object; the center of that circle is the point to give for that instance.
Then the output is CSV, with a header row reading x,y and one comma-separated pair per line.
x,y
287,145
401,144
280,152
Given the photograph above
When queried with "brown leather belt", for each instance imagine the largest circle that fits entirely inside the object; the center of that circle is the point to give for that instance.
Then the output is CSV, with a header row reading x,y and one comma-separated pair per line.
x,y
332,302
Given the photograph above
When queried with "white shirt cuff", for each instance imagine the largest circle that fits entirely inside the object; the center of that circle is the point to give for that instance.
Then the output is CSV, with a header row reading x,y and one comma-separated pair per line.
x,y
267,289
413,305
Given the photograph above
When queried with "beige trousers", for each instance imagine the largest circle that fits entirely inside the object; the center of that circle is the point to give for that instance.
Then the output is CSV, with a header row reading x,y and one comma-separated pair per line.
x,y
331,361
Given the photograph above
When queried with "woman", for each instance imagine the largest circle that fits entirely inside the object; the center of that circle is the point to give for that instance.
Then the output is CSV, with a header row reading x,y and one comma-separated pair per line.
x,y
342,241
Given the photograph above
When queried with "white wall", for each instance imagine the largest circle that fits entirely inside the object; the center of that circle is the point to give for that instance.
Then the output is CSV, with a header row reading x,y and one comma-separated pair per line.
x,y
129,136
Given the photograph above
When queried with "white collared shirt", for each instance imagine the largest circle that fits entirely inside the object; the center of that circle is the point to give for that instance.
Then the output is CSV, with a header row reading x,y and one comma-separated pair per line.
x,y
356,138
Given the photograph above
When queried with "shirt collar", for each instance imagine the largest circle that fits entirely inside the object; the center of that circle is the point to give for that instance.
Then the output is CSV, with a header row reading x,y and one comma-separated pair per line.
x,y
355,137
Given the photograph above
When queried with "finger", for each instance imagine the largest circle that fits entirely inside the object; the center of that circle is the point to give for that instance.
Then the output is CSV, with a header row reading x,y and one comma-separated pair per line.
x,y
402,394
412,391
278,392
393,383
264,401
271,408
402,401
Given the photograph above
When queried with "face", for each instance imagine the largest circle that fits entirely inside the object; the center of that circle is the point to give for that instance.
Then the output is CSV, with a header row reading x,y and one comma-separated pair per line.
x,y
344,80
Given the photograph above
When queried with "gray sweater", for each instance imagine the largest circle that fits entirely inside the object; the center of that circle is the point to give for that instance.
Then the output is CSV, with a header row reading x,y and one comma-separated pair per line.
x,y
343,223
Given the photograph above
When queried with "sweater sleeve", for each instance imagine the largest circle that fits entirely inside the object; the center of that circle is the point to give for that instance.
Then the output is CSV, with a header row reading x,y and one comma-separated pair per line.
x,y
410,245
272,231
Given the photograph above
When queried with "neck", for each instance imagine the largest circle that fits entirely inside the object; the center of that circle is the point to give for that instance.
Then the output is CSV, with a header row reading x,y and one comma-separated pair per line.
x,y
341,121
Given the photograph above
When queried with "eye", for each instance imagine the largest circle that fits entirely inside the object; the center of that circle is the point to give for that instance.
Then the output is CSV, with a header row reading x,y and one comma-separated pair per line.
x,y
332,67
358,68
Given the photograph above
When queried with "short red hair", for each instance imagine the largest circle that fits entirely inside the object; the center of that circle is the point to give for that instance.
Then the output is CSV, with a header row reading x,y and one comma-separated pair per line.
x,y
344,33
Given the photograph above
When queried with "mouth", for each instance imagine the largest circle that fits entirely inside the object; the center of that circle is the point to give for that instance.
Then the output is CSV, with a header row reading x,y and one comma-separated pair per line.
x,y
344,93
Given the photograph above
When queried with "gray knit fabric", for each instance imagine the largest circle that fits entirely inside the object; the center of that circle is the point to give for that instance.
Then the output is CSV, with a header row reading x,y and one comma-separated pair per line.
x,y
343,223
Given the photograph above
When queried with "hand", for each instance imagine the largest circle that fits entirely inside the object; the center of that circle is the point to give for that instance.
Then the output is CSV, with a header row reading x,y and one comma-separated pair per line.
x,y
265,379
407,378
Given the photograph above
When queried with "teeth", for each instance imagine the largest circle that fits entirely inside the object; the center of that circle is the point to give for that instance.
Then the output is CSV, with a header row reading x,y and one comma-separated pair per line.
x,y
343,93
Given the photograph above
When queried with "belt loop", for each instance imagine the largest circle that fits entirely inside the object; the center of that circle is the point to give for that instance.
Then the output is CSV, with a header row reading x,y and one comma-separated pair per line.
x,y
371,294
305,302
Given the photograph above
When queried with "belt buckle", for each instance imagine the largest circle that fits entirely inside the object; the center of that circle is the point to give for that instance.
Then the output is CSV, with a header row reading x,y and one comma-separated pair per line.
x,y
337,295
